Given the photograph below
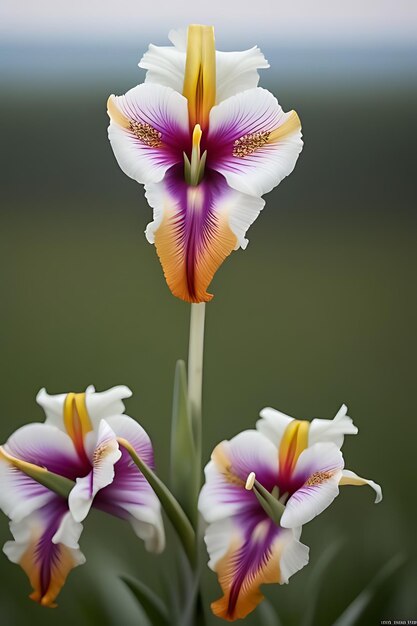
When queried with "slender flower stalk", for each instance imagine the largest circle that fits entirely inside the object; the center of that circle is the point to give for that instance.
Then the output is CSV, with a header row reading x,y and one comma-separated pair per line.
x,y
195,370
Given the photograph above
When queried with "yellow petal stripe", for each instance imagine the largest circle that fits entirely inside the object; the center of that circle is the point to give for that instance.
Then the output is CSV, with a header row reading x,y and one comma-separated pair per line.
x,y
200,74
76,420
293,442
290,126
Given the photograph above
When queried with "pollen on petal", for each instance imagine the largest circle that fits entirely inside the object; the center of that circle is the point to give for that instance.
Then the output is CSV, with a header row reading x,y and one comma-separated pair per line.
x,y
318,478
146,134
247,144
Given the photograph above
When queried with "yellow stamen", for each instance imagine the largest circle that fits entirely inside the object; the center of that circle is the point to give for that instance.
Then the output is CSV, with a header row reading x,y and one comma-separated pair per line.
x,y
200,74
250,481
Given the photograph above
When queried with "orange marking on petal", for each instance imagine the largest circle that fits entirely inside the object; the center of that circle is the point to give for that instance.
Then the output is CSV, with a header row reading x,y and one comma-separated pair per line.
x,y
249,595
291,125
293,442
63,563
115,113
187,279
224,465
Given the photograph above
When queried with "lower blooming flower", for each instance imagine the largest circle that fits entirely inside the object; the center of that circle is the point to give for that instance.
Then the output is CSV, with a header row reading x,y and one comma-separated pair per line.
x,y
261,487
79,442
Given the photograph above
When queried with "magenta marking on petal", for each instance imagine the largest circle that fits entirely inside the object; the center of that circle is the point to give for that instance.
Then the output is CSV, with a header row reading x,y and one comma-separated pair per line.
x,y
47,553
254,552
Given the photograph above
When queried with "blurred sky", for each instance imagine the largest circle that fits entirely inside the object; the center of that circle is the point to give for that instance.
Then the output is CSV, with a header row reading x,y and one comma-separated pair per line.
x,y
364,22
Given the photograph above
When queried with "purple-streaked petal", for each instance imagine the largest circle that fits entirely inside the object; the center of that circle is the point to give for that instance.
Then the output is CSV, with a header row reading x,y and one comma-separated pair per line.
x,y
315,484
148,131
350,478
224,492
46,547
42,445
196,228
104,454
249,551
252,142
235,71
130,496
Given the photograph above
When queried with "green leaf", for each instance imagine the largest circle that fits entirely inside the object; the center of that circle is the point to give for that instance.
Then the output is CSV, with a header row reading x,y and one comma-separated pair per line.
x,y
316,580
356,608
55,482
152,605
184,468
172,508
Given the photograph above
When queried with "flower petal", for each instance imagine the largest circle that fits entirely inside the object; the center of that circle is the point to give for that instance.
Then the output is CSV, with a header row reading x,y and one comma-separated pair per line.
x,y
273,424
104,456
252,142
350,478
99,404
148,131
316,479
196,228
235,71
42,445
247,552
224,493
130,496
46,547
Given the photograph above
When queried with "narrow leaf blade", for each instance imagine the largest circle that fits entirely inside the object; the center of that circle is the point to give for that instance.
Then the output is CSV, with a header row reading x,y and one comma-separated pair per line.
x,y
152,605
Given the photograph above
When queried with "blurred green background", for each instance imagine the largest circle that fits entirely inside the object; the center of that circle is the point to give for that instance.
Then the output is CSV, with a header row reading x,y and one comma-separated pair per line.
x,y
319,310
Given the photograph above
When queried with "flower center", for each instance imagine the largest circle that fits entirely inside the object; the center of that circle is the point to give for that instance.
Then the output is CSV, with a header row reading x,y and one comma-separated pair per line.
x,y
194,169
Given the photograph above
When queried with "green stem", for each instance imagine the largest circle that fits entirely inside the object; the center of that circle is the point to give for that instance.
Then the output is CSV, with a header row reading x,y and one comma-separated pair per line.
x,y
171,507
195,371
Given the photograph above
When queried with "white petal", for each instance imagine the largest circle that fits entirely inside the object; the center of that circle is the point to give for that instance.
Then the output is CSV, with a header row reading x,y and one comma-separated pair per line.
x,y
318,469
105,455
69,532
103,404
100,404
273,424
332,430
235,71
294,555
249,113
350,478
238,71
166,112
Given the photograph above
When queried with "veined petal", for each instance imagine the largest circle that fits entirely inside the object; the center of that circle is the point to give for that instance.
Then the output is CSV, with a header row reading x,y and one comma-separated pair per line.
x,y
224,493
130,496
148,131
332,430
46,547
42,445
104,456
196,228
235,71
252,142
247,552
350,478
316,477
